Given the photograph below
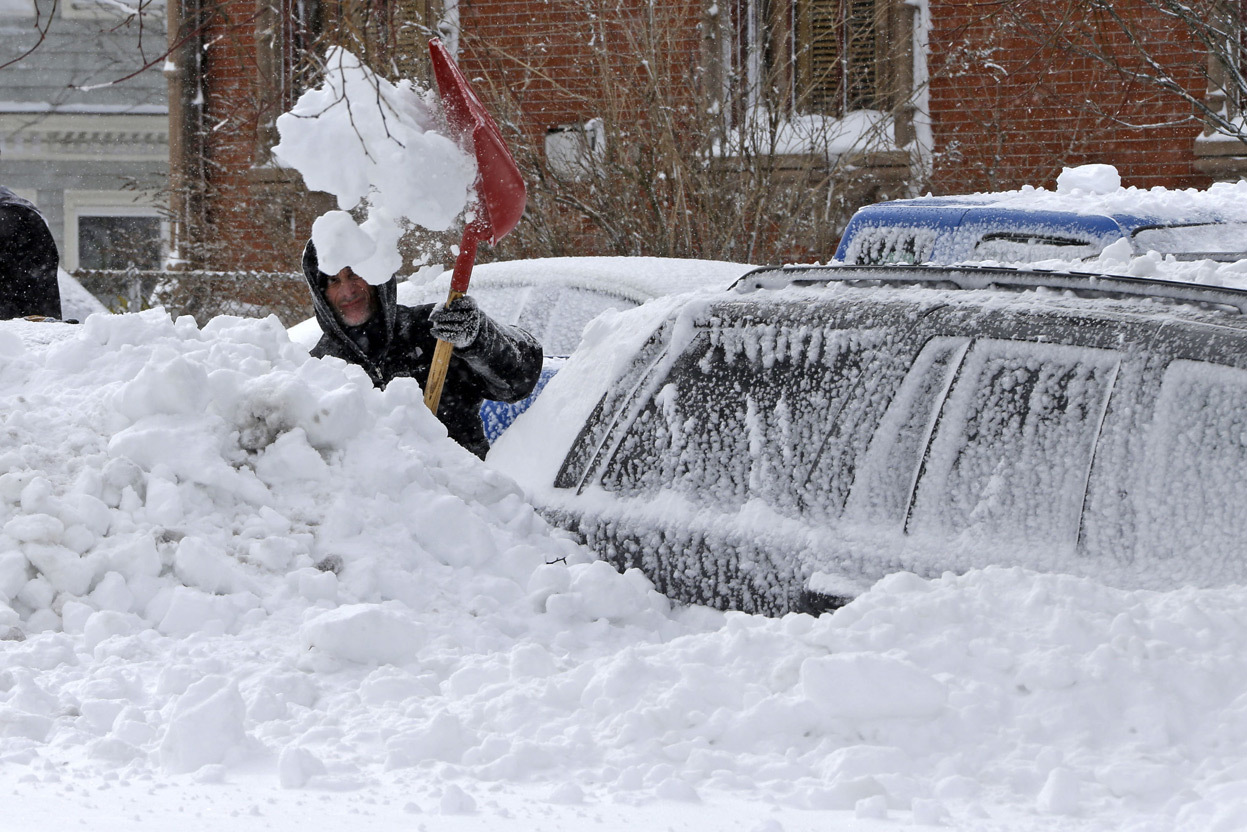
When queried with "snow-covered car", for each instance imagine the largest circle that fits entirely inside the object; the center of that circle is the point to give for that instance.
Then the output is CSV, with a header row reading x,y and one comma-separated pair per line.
x,y
784,445
554,298
76,302
1032,225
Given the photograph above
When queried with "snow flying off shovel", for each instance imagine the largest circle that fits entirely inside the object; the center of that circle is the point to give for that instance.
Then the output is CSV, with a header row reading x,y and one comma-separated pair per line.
x,y
499,190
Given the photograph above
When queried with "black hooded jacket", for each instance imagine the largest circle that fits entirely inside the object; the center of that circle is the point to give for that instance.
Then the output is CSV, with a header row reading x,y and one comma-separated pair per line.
x,y
28,261
503,363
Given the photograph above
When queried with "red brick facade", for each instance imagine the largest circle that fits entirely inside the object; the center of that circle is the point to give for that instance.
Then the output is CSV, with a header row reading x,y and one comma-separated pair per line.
x,y
1010,108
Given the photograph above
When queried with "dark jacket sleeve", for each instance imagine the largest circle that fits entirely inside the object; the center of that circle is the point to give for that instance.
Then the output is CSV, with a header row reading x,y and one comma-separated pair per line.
x,y
506,359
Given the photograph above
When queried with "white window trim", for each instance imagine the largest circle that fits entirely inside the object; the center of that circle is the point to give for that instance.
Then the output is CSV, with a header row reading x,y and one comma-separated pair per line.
x,y
108,204
9,9
153,13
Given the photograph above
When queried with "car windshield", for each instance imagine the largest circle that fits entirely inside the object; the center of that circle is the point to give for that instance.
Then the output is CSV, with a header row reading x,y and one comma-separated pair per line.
x,y
1202,238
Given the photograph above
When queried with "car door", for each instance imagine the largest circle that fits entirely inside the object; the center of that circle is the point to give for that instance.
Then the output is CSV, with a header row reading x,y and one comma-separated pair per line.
x,y
1011,451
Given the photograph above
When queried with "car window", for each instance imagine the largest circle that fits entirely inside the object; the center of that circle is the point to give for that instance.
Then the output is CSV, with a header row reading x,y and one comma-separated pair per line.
x,y
1207,238
1020,247
1012,452
1197,453
502,303
571,312
762,411
887,245
885,479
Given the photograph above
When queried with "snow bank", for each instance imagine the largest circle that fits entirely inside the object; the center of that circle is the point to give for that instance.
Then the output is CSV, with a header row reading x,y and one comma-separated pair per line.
x,y
223,561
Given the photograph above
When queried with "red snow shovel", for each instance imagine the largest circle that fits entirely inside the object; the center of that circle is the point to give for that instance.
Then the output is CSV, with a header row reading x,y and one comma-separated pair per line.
x,y
499,190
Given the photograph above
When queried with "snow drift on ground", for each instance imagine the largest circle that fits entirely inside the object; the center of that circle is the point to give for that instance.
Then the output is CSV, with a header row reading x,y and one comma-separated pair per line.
x,y
241,588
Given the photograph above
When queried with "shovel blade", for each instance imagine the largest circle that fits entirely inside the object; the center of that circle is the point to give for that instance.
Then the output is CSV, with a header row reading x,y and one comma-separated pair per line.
x,y
500,186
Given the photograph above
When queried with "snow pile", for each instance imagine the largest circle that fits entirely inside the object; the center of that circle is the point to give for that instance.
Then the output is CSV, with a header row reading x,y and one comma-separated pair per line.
x,y
196,465
252,577
378,145
1088,179
1097,189
1119,258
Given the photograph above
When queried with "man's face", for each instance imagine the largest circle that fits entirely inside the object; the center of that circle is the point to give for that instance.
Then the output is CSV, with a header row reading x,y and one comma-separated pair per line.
x,y
351,297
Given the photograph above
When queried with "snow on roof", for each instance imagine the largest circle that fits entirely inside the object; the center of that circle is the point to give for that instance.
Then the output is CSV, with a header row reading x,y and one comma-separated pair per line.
x,y
1091,190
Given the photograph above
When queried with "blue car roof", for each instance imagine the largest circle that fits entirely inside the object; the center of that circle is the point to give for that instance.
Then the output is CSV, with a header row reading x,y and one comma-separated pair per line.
x,y
938,211
946,214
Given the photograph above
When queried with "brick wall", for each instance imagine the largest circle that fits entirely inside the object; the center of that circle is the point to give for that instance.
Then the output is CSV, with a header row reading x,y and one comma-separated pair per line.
x,y
549,57
1010,102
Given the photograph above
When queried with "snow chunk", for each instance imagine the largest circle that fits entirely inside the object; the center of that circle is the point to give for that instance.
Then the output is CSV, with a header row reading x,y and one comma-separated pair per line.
x,y
206,726
365,634
1091,179
340,242
369,141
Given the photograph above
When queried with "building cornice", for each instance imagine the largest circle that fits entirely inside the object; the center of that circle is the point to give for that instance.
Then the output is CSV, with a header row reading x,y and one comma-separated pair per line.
x,y
84,137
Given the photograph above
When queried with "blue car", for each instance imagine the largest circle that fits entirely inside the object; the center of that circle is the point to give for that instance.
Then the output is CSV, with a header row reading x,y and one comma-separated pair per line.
x,y
498,416
1025,227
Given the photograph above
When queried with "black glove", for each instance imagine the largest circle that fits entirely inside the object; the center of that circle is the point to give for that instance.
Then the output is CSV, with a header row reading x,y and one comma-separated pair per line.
x,y
458,323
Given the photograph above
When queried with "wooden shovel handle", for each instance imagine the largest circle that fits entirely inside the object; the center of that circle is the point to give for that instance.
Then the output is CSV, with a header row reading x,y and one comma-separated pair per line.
x,y
441,363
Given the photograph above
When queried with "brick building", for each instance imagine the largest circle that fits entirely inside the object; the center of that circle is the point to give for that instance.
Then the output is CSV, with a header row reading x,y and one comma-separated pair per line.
x,y
902,97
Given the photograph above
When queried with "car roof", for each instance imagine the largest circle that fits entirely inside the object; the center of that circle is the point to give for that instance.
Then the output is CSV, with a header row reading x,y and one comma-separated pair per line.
x,y
1130,208
635,278
1225,306
952,212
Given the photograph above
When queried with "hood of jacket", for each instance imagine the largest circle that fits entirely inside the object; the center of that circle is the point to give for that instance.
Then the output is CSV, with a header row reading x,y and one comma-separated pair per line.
x,y
28,261
318,281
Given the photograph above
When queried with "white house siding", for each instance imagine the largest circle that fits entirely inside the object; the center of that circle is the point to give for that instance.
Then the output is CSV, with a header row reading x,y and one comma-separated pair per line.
x,y
74,137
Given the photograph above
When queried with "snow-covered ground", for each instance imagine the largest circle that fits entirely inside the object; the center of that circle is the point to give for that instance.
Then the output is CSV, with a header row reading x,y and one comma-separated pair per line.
x,y
241,588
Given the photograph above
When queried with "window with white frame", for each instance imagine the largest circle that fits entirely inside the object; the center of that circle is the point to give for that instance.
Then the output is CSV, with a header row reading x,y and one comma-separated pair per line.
x,y
824,57
113,230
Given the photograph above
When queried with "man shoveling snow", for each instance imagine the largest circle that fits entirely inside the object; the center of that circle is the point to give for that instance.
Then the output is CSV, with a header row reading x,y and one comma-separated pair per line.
x,y
365,325
393,161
